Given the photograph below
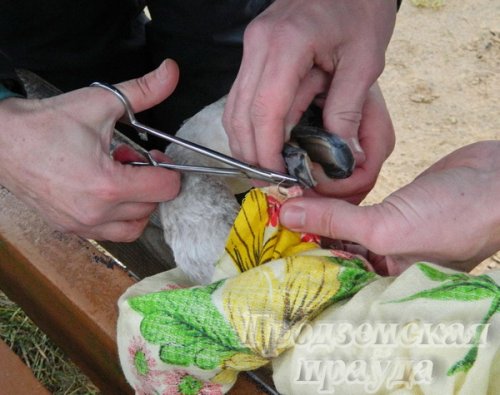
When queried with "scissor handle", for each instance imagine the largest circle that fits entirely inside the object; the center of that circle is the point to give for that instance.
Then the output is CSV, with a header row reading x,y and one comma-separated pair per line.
x,y
128,107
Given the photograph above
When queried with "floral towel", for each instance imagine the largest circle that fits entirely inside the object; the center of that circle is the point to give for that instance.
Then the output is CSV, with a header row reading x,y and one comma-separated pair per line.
x,y
428,331
175,337
326,323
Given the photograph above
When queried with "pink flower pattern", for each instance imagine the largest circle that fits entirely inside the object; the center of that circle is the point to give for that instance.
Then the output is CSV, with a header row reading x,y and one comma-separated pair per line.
x,y
154,381
174,378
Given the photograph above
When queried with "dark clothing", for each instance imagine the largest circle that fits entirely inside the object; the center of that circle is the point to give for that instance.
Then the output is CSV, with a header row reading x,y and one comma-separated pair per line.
x,y
205,37
73,43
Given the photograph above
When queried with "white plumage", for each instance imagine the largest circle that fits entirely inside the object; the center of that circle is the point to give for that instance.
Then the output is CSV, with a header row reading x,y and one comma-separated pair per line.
x,y
197,222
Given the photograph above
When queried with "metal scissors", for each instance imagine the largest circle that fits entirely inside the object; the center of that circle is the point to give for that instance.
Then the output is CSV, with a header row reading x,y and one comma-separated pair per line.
x,y
238,168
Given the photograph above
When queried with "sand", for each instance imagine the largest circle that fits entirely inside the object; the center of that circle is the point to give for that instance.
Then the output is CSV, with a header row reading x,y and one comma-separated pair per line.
x,y
442,87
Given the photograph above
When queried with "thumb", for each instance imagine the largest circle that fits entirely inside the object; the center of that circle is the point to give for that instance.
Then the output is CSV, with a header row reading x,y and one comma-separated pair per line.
x,y
328,217
344,104
152,88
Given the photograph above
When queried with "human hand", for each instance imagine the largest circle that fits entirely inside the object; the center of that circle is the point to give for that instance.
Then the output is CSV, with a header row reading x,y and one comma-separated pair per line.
x,y
54,155
448,215
296,50
376,136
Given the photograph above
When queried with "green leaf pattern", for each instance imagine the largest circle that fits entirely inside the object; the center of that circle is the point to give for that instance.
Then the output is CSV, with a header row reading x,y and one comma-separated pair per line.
x,y
187,326
351,278
465,288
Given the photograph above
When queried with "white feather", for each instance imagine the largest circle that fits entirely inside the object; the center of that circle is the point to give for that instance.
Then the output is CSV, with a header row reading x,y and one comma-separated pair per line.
x,y
197,222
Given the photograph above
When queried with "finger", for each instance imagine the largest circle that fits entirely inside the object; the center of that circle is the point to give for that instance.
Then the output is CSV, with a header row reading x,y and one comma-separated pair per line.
x,y
125,153
353,189
332,218
236,117
129,211
383,229
273,100
146,184
119,231
376,134
152,88
314,83
346,96
236,121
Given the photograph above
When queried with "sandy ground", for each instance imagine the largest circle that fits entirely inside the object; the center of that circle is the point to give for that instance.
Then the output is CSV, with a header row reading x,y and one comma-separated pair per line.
x,y
442,86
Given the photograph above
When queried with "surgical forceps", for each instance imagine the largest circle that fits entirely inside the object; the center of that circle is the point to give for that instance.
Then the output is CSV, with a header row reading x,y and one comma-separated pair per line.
x,y
239,168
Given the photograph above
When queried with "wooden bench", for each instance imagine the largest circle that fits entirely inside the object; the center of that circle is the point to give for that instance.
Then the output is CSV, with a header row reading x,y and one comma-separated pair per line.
x,y
15,376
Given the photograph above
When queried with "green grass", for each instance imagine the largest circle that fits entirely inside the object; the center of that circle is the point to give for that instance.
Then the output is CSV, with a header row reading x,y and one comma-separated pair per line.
x,y
49,364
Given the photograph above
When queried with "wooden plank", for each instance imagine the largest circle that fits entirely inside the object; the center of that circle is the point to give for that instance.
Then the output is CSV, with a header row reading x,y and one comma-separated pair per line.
x,y
67,287
139,257
15,377
245,385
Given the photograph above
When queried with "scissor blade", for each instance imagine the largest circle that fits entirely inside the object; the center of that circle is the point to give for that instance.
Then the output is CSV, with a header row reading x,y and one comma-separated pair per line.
x,y
249,170
193,169
218,171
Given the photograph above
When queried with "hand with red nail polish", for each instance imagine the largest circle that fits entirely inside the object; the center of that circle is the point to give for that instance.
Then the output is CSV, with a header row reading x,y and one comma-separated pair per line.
x,y
54,155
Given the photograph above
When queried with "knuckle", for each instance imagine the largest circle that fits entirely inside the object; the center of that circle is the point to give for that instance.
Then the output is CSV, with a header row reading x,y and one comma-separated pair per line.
x,y
256,31
273,32
133,230
89,218
84,214
92,211
143,85
259,111
327,224
128,237
125,232
236,125
285,29
107,193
